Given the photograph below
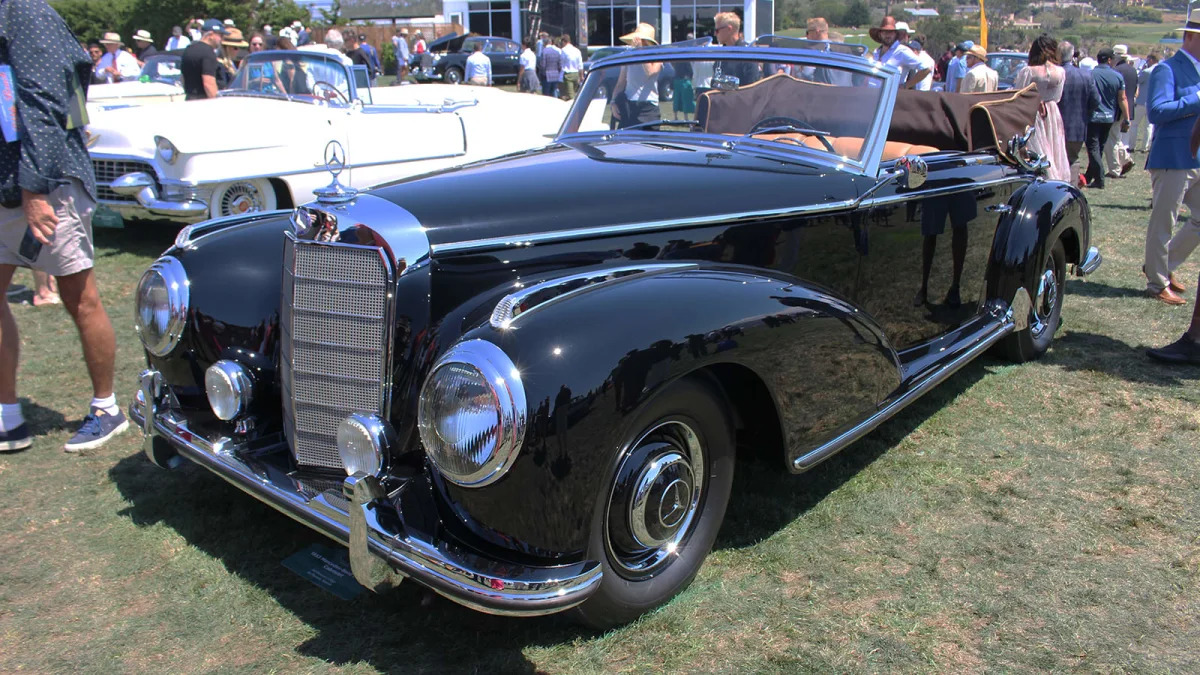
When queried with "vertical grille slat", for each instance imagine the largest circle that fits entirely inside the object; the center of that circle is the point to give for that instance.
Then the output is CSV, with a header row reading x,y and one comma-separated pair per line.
x,y
334,333
108,170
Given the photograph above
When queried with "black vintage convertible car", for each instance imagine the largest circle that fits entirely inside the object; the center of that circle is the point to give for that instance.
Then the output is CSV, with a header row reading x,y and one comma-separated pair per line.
x,y
446,59
535,405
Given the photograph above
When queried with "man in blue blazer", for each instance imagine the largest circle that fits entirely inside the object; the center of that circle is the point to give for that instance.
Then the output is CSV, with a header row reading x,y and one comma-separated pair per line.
x,y
1174,107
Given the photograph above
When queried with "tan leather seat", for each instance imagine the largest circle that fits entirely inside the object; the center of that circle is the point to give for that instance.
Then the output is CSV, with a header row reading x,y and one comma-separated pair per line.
x,y
850,146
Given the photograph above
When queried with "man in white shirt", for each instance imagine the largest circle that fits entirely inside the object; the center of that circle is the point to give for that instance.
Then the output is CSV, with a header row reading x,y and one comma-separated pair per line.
x,y
572,63
116,64
927,62
177,39
479,67
892,51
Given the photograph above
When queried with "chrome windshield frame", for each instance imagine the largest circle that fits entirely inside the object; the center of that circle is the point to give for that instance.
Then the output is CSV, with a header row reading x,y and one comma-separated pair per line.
x,y
867,165
330,59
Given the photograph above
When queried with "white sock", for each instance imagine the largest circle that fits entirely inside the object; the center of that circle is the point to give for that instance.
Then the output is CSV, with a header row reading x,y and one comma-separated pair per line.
x,y
108,405
10,416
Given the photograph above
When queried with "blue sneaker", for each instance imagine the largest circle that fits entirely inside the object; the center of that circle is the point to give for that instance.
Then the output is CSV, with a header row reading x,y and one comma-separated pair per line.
x,y
17,439
98,428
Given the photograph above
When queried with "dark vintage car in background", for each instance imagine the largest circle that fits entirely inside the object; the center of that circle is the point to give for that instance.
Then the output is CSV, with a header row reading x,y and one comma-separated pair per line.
x,y
446,58
533,406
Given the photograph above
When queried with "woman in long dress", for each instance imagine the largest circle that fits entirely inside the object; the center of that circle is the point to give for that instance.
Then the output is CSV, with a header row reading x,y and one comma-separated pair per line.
x,y
1049,138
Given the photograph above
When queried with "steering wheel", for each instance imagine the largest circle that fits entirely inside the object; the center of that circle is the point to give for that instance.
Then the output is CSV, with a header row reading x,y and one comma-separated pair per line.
x,y
792,124
319,85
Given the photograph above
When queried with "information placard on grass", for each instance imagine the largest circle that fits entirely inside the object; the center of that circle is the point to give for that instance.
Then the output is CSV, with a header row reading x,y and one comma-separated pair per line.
x,y
326,567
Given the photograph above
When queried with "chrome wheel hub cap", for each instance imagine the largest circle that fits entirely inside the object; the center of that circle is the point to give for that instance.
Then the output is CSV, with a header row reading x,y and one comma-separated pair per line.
x,y
655,499
1045,302
241,198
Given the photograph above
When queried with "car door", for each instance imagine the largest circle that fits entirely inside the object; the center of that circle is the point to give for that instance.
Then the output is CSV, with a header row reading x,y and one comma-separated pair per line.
x,y
927,250
504,56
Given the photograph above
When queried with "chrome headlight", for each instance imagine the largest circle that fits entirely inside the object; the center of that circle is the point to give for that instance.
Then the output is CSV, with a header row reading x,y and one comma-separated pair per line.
x,y
166,150
229,389
161,304
472,414
361,442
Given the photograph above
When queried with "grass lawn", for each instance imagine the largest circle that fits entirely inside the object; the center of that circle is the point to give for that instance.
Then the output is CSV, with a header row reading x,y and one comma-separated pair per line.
x,y
1020,517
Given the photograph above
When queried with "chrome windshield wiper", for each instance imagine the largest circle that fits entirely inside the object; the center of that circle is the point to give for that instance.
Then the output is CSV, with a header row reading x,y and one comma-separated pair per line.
x,y
661,123
822,136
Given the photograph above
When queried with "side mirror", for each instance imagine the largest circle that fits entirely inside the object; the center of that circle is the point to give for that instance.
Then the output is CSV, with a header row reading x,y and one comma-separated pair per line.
x,y
911,172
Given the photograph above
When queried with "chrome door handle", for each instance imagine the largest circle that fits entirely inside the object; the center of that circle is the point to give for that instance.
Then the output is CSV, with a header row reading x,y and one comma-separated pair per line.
x,y
998,208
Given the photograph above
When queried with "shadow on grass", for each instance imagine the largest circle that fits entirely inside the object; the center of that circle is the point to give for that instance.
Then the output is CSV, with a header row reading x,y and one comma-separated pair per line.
x,y
1092,289
1100,353
141,238
409,629
766,497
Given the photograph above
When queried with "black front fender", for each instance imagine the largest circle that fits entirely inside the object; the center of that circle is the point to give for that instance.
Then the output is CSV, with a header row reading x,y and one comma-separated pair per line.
x,y
1042,212
589,359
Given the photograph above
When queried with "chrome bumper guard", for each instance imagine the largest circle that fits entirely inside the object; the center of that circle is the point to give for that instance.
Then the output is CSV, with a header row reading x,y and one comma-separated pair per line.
x,y
143,187
462,576
1091,261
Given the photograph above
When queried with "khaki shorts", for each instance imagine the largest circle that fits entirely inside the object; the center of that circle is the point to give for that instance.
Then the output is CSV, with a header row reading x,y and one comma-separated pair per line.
x,y
71,249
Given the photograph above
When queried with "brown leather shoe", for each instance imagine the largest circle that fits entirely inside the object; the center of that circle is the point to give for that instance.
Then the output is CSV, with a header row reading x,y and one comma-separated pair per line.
x,y
1167,296
1176,286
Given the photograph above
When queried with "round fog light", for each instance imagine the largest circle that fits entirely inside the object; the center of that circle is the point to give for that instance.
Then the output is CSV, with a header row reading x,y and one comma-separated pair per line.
x,y
361,440
229,389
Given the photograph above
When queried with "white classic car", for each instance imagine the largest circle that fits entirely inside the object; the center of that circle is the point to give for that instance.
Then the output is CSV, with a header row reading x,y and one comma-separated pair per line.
x,y
261,144
160,82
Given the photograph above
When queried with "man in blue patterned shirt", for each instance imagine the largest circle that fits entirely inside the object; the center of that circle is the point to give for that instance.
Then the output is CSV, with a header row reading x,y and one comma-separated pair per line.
x,y
47,195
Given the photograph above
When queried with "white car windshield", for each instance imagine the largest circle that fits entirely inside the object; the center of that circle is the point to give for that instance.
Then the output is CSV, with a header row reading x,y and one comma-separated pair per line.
x,y
802,100
292,74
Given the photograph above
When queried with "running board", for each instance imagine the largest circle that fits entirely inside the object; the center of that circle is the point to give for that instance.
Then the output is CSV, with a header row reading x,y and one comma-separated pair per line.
x,y
986,338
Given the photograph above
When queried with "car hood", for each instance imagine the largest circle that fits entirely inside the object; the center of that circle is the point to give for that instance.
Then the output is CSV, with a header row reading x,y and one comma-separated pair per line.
x,y
580,185
217,125
447,43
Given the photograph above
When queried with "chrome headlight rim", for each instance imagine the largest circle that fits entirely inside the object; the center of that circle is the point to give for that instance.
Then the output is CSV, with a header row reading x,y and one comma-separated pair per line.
x,y
236,378
175,279
165,150
504,379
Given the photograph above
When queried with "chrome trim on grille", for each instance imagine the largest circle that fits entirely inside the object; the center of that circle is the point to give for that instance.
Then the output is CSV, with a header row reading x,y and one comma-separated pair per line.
x,y
321,387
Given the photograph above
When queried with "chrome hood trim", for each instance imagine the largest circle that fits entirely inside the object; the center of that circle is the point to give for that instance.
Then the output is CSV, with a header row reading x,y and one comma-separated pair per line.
x,y
366,220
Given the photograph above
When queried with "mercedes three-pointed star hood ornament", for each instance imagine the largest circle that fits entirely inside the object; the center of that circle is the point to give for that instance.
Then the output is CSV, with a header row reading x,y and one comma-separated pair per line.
x,y
335,163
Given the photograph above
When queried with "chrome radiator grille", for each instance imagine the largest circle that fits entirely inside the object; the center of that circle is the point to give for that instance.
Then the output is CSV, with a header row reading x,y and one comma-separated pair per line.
x,y
108,170
334,343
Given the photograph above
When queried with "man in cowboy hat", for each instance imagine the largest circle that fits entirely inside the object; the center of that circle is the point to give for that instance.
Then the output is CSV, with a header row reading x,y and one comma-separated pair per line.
x,y
1174,107
979,77
145,46
892,36
116,64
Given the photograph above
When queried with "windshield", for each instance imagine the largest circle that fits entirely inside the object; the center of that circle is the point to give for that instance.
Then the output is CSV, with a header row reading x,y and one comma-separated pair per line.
x,y
1007,65
162,69
804,102
292,74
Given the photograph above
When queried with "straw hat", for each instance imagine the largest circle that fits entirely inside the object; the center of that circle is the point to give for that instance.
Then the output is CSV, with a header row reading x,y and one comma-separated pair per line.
x,y
1121,50
234,38
978,52
888,23
111,39
142,35
644,31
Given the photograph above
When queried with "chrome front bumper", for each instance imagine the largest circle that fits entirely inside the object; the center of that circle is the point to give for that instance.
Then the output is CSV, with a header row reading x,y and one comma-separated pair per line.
x,y
376,553
150,204
1090,263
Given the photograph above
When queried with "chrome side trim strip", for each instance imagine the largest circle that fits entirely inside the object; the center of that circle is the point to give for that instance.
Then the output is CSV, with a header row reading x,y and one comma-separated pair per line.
x,y
519,303
681,223
823,452
459,575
